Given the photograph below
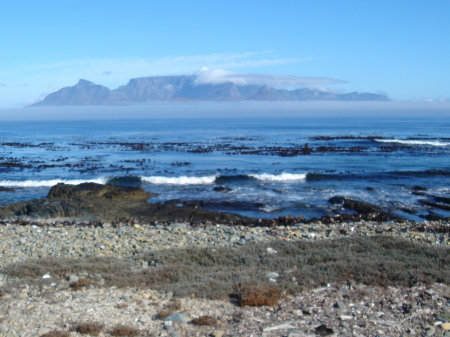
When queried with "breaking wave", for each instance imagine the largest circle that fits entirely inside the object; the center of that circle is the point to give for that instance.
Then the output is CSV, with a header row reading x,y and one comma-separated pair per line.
x,y
49,183
413,142
279,177
183,180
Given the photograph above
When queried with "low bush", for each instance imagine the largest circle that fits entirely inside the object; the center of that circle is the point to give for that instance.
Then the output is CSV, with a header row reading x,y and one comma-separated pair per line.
x,y
92,329
204,320
124,331
169,309
212,272
258,295
82,283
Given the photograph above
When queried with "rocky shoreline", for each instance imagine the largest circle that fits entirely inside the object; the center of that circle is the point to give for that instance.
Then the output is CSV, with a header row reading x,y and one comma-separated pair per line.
x,y
53,307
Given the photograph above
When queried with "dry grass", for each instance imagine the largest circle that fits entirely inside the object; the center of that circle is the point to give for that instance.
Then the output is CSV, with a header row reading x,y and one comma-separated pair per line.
x,y
124,331
121,306
61,267
82,283
92,328
172,307
56,333
302,265
204,320
258,295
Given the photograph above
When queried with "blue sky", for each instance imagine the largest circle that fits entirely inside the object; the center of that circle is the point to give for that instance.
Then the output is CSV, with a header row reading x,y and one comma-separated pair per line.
x,y
398,47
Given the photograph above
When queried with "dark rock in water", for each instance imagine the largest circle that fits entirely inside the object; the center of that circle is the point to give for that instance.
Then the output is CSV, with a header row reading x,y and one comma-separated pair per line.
x,y
435,204
336,200
370,189
444,200
420,194
222,189
6,189
419,188
366,211
434,217
407,210
86,190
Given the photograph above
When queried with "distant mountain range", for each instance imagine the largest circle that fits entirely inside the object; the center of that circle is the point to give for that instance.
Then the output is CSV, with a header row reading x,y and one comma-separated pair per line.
x,y
184,88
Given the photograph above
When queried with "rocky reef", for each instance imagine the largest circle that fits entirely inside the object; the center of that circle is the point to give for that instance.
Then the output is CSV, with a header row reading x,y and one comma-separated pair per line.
x,y
96,202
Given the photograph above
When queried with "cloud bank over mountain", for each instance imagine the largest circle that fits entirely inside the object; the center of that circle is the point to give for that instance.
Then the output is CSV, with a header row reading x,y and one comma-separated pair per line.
x,y
220,76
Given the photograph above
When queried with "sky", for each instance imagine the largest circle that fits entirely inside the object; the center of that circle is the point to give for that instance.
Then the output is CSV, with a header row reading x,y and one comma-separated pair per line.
x,y
400,48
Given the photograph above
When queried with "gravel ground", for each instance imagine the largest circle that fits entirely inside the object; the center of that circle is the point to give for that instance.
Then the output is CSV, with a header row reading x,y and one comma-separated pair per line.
x,y
338,309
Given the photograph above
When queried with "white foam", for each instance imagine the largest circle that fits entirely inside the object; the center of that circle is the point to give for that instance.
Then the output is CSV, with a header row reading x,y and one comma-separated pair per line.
x,y
183,180
413,142
47,183
279,177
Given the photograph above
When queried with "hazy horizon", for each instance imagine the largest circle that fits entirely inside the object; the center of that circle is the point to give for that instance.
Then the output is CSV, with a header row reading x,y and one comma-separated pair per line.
x,y
243,109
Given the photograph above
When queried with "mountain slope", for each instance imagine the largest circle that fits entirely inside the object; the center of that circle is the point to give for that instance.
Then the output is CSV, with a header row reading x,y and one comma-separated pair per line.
x,y
184,88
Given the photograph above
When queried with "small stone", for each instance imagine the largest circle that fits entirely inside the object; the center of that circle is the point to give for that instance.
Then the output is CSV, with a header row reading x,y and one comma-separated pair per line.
x,y
340,305
73,278
177,317
271,250
178,225
218,333
168,327
322,330
46,276
42,331
242,241
445,326
430,331
272,275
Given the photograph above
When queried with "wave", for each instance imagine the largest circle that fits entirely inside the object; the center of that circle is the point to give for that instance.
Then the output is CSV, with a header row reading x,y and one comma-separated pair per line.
x,y
413,142
279,177
49,183
183,180
214,179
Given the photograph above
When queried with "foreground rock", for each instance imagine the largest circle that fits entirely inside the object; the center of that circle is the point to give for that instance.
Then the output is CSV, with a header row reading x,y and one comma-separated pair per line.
x,y
96,202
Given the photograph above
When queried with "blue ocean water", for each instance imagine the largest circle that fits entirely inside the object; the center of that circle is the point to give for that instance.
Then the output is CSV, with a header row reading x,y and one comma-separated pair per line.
x,y
259,167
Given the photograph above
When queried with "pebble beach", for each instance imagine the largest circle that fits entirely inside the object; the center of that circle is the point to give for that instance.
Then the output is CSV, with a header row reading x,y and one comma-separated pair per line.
x,y
337,309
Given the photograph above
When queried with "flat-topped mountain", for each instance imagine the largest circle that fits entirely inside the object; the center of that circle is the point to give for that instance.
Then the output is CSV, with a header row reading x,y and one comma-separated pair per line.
x,y
186,88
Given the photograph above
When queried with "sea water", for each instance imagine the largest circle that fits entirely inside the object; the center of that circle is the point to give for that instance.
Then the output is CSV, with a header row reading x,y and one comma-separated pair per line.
x,y
258,166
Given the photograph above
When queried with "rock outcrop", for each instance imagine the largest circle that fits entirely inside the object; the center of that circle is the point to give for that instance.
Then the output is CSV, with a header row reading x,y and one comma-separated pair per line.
x,y
96,202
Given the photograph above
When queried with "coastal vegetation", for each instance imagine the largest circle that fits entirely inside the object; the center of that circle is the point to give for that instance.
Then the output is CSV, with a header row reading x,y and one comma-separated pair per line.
x,y
288,267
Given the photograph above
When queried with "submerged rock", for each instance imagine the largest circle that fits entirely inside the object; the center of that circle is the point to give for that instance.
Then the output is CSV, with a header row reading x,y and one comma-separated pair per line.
x,y
365,210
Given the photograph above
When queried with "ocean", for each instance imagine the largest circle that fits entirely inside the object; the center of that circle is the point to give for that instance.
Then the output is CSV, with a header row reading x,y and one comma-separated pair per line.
x,y
255,166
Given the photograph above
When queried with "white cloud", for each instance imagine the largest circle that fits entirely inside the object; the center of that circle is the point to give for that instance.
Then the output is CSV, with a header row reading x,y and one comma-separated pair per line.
x,y
216,76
